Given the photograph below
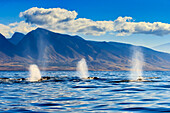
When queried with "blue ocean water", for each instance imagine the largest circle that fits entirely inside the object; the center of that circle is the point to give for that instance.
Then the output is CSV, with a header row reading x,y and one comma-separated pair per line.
x,y
85,96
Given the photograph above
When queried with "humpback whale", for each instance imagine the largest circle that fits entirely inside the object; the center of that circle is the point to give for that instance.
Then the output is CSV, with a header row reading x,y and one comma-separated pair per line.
x,y
75,79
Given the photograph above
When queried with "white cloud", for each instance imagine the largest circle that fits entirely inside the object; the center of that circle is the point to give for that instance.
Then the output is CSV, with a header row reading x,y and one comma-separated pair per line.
x,y
64,21
124,26
22,27
41,16
5,30
8,30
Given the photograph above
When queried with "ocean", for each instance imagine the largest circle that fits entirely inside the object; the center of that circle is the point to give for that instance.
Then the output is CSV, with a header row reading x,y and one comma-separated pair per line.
x,y
108,94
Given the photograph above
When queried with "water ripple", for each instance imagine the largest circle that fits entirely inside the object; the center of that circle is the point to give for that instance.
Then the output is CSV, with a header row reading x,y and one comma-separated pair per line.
x,y
69,94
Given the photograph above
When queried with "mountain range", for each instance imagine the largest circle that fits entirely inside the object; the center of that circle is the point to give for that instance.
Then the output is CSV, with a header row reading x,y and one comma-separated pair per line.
x,y
54,51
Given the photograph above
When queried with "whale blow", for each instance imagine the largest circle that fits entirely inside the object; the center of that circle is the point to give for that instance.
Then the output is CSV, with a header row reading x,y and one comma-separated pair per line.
x,y
35,74
82,69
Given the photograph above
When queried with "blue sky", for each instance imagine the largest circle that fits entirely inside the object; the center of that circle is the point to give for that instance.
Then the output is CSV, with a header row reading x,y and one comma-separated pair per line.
x,y
100,10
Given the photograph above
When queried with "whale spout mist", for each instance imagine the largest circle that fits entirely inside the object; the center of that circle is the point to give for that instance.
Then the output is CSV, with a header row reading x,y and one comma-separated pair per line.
x,y
137,64
35,74
82,69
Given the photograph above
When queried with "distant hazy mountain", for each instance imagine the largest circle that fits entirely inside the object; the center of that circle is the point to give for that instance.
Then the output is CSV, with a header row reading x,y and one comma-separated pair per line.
x,y
163,47
54,51
16,38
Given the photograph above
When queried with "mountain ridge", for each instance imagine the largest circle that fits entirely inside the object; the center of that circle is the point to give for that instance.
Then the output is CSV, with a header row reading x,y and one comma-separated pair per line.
x,y
16,38
55,51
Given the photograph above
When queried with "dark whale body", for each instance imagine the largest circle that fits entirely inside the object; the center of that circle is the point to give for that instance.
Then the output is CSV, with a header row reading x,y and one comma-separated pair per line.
x,y
74,79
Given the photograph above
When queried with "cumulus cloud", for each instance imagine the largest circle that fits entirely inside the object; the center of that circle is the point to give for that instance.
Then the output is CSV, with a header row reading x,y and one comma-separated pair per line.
x,y
8,30
64,21
41,16
22,27
124,26
5,30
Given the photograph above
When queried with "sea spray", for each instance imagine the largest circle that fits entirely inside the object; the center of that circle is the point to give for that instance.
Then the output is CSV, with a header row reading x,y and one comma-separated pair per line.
x,y
35,74
82,69
137,64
